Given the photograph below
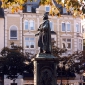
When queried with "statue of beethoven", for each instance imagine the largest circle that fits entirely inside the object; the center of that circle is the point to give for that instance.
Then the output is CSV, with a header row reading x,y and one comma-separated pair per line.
x,y
44,41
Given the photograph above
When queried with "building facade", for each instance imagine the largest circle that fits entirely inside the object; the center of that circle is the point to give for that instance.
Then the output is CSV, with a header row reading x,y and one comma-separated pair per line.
x,y
21,28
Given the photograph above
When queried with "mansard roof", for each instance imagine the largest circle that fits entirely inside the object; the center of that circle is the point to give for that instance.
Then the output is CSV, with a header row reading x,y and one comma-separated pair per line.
x,y
35,5
1,11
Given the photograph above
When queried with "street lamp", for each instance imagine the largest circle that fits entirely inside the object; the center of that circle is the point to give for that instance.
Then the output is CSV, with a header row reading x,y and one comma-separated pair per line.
x,y
61,66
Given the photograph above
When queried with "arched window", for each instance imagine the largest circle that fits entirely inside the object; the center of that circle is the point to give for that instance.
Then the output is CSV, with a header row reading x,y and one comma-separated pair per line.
x,y
26,25
31,25
13,32
51,26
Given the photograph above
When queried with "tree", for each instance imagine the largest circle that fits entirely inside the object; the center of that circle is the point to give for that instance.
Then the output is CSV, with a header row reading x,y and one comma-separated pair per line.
x,y
14,62
74,62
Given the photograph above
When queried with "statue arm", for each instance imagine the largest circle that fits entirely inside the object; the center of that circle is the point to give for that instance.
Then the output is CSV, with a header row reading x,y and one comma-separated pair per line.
x,y
40,28
46,23
37,34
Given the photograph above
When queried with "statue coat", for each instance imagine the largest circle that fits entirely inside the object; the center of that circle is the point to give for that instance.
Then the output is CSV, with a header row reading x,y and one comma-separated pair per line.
x,y
44,41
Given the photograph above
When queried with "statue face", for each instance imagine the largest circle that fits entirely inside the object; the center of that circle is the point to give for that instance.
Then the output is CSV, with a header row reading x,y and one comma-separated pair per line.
x,y
45,17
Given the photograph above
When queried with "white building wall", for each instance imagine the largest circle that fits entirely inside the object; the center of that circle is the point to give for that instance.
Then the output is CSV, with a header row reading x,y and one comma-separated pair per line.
x,y
1,33
19,80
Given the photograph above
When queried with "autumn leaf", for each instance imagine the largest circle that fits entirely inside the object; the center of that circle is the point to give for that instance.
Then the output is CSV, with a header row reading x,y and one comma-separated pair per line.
x,y
68,4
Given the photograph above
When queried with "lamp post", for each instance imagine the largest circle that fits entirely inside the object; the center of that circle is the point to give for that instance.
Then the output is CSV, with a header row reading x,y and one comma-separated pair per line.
x,y
61,66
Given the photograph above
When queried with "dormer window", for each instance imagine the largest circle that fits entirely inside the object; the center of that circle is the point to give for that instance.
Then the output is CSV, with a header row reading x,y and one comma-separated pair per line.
x,y
29,8
64,10
47,8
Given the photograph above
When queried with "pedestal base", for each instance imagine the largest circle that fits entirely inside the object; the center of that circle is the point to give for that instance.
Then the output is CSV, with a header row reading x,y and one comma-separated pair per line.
x,y
45,69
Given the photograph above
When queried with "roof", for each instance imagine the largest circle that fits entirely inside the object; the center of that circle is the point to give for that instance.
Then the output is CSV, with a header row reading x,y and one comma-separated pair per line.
x,y
35,4
1,13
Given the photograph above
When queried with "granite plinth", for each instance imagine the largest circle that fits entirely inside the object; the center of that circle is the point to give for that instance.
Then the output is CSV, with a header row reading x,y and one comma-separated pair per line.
x,y
45,69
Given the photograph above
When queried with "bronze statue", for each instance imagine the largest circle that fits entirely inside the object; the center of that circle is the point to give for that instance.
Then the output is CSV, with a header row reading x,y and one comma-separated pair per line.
x,y
44,41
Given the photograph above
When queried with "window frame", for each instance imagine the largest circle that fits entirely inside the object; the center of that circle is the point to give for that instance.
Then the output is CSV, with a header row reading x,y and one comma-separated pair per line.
x,y
52,26
13,29
24,24
66,29
30,26
30,8
66,43
29,41
80,43
45,8
77,29
64,10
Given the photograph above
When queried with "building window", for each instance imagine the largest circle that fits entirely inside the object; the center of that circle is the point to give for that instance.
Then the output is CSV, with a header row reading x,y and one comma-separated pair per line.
x,y
29,8
26,25
47,8
64,10
66,43
66,27
63,43
63,26
77,27
69,43
29,42
51,26
13,32
80,44
83,29
31,25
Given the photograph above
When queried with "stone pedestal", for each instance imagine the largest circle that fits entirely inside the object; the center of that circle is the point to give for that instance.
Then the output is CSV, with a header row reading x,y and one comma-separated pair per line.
x,y
45,69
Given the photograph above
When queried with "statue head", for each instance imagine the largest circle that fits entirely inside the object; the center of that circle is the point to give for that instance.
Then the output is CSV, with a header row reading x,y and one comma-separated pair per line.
x,y
45,16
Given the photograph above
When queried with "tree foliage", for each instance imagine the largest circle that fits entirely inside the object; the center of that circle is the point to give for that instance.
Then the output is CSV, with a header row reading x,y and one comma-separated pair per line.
x,y
72,63
76,7
13,63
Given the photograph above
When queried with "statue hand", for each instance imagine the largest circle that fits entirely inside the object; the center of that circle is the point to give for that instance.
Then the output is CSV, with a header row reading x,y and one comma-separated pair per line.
x,y
38,30
37,34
